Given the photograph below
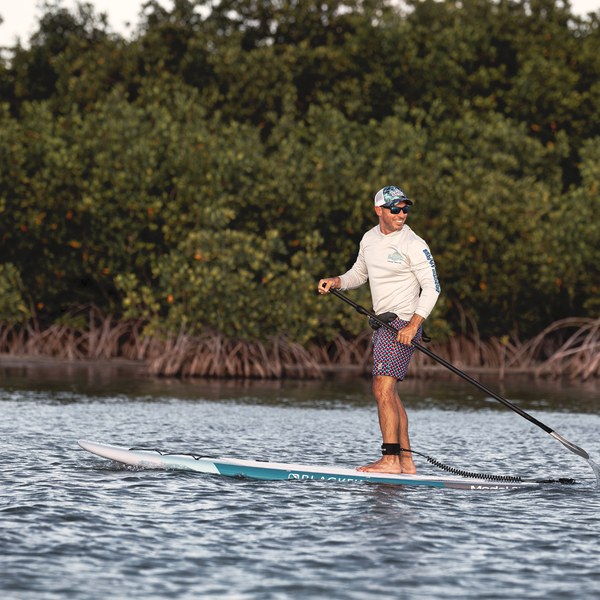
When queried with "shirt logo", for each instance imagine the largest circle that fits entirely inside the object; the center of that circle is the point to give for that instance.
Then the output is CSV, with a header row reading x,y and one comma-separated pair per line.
x,y
396,257
435,277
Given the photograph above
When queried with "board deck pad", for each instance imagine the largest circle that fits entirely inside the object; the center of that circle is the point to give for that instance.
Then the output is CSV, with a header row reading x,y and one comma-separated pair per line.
x,y
273,471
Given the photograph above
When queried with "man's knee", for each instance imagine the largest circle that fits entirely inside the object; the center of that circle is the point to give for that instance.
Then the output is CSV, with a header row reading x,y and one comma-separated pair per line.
x,y
384,387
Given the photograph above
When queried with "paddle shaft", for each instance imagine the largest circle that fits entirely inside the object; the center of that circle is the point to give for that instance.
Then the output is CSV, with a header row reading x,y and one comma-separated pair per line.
x,y
572,447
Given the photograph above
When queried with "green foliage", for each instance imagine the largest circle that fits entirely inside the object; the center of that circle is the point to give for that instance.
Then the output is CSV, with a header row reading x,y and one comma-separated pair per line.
x,y
13,308
206,173
77,321
34,71
573,261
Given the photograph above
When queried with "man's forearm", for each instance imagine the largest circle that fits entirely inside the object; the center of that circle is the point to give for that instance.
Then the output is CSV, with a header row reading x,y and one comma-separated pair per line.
x,y
416,321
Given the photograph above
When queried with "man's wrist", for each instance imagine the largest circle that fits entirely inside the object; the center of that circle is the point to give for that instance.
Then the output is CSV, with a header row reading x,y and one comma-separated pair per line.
x,y
416,320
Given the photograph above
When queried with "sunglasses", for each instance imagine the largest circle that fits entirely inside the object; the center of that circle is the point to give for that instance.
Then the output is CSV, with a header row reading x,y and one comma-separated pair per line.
x,y
396,210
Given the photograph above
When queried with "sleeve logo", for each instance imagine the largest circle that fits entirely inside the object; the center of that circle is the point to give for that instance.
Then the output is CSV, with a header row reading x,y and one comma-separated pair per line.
x,y
430,261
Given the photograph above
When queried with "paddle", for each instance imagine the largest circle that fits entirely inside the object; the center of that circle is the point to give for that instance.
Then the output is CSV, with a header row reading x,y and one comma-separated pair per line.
x,y
572,447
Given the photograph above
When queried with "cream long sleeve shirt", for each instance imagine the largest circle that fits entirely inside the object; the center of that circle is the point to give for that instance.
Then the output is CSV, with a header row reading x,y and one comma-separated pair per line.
x,y
398,266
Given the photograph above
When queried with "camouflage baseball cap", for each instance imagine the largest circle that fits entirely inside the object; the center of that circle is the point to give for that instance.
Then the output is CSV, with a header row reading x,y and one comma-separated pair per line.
x,y
390,196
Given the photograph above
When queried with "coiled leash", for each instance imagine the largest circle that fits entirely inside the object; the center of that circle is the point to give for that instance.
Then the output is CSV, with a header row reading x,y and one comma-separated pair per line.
x,y
395,449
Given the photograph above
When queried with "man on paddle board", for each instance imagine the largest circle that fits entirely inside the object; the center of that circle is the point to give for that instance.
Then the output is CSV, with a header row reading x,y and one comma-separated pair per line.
x,y
404,284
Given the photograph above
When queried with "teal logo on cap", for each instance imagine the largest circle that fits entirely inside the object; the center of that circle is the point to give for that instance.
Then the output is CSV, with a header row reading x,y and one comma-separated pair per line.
x,y
392,194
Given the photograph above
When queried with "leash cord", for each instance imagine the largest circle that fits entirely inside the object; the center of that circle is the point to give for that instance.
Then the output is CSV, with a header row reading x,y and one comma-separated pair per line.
x,y
439,465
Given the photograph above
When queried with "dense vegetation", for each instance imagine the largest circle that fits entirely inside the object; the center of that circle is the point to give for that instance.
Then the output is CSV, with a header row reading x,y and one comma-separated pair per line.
x,y
205,173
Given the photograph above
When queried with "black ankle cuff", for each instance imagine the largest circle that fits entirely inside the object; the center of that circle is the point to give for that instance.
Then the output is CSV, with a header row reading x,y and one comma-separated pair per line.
x,y
390,449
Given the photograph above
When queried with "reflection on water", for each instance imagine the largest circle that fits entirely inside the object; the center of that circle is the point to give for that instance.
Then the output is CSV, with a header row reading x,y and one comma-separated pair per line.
x,y
69,382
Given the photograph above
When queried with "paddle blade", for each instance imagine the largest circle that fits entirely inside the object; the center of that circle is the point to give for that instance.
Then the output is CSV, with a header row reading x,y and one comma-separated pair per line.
x,y
572,447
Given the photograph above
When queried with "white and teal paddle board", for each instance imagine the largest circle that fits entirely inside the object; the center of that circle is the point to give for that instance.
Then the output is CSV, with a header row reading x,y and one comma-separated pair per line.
x,y
272,471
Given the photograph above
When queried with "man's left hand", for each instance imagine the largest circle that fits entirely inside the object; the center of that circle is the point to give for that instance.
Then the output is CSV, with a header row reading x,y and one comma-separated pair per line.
x,y
407,334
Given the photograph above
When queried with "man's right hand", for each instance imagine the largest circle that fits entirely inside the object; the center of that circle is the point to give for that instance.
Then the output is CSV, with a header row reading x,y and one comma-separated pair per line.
x,y
330,282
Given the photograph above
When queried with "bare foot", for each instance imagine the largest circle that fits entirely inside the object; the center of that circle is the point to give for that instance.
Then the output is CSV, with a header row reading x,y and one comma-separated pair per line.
x,y
391,464
387,464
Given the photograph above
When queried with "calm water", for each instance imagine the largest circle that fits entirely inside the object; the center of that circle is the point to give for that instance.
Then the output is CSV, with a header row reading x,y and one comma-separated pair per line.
x,y
73,525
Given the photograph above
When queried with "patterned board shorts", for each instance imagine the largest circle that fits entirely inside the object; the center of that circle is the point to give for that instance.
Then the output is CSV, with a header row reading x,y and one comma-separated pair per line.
x,y
390,357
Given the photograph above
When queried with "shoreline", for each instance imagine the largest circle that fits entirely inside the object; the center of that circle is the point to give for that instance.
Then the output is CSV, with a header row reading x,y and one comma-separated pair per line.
x,y
142,366
123,345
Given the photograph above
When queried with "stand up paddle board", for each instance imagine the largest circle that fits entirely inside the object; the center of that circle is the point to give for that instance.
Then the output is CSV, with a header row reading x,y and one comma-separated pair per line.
x,y
272,471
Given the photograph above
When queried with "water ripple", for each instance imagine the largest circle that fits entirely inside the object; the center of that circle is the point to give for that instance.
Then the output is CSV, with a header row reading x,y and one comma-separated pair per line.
x,y
76,526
